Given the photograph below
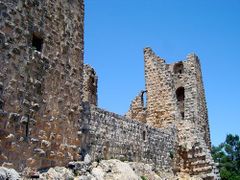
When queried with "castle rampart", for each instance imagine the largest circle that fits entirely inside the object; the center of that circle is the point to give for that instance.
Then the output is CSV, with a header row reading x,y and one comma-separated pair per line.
x,y
48,99
113,136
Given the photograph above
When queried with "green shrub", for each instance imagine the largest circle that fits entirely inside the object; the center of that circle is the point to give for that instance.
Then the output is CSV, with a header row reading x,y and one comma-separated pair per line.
x,y
143,178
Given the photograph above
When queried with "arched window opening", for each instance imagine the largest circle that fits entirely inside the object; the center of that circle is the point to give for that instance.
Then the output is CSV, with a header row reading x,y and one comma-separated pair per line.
x,y
144,99
180,94
178,68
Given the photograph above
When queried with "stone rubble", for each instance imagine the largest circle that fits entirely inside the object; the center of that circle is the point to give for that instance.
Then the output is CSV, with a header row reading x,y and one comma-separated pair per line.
x,y
8,174
104,170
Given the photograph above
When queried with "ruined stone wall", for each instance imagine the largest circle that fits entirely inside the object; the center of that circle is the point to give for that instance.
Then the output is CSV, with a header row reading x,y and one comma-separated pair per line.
x,y
202,105
137,109
161,109
175,95
112,136
90,81
193,128
40,81
189,77
48,98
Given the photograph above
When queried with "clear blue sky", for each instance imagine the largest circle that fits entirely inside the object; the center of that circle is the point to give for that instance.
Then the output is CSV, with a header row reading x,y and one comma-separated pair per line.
x,y
116,31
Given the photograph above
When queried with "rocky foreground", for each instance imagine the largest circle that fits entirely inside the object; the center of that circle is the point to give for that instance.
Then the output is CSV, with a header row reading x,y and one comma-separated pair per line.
x,y
86,170
104,170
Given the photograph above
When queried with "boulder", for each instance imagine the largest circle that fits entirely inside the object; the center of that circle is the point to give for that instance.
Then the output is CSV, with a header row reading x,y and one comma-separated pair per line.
x,y
114,170
57,173
9,174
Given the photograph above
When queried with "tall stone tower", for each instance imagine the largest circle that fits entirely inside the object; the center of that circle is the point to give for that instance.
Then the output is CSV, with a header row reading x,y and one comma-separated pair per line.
x,y
175,93
175,97
41,80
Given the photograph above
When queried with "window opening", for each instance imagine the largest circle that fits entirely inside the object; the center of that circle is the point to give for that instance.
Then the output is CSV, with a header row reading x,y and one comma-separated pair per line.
x,y
144,135
178,68
182,114
180,94
1,104
27,128
37,43
144,99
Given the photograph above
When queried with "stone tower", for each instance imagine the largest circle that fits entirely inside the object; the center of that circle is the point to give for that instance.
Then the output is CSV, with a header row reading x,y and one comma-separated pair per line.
x,y
48,99
175,97
41,80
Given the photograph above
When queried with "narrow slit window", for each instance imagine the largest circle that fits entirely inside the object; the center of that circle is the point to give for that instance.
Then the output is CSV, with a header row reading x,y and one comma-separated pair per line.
x,y
144,135
180,94
37,43
144,99
182,114
1,104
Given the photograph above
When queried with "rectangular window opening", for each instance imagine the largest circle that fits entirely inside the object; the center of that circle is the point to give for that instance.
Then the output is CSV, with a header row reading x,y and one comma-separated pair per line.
x,y
37,43
182,114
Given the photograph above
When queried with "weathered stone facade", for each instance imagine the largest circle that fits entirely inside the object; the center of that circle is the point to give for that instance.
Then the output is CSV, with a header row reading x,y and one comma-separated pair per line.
x,y
107,135
175,96
48,99
90,81
41,81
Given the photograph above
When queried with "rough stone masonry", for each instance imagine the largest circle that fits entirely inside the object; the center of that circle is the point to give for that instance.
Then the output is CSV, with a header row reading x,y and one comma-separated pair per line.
x,y
48,99
175,96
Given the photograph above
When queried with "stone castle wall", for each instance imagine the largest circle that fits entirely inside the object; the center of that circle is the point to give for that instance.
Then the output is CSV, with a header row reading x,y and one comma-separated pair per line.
x,y
40,81
188,76
43,84
48,99
108,135
161,102
175,96
137,108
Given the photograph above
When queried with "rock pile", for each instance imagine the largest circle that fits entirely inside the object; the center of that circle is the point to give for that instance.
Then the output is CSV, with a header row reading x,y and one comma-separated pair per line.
x,y
104,170
9,174
85,170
